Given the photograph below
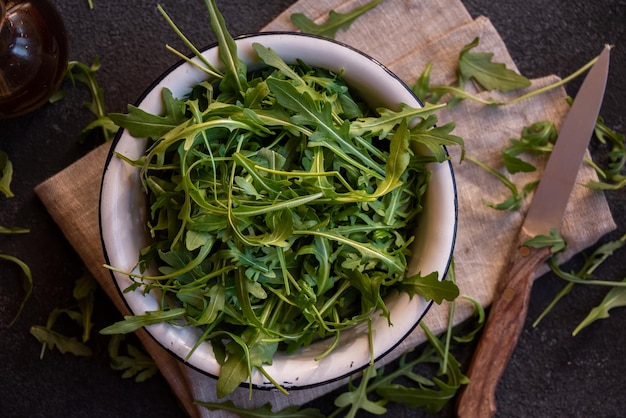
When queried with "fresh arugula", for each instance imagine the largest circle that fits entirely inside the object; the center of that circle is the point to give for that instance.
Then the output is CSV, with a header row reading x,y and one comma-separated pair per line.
x,y
538,138
335,21
52,339
584,274
612,177
555,241
136,364
13,231
81,314
6,177
515,200
426,380
79,72
27,282
490,75
282,211
615,298
6,174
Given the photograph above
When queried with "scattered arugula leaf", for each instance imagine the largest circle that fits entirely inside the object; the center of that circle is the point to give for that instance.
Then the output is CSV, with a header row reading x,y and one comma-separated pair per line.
x,y
429,394
27,282
572,278
357,399
52,339
142,124
479,67
490,75
6,174
136,364
615,298
592,262
538,138
13,231
430,287
77,71
335,22
134,322
479,313
83,291
517,197
612,177
555,241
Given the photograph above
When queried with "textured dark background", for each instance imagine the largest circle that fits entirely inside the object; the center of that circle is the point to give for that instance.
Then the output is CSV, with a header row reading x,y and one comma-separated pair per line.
x,y
551,374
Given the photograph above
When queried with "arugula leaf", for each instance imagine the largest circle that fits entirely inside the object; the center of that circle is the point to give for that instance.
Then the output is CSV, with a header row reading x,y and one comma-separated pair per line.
x,y
77,71
357,399
83,293
328,135
272,59
430,400
615,298
618,183
515,200
421,88
53,339
490,75
137,364
397,161
430,287
335,22
611,178
386,120
479,313
592,262
6,174
142,124
27,282
555,241
134,322
536,139
435,138
235,74
13,231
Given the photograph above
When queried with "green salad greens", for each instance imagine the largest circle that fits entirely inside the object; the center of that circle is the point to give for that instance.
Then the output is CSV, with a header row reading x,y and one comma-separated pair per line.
x,y
282,208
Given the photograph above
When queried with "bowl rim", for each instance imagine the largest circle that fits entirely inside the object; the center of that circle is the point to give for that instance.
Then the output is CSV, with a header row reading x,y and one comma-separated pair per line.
x,y
118,137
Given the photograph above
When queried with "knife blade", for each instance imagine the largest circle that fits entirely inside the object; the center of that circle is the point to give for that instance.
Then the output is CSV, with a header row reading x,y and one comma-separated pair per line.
x,y
510,304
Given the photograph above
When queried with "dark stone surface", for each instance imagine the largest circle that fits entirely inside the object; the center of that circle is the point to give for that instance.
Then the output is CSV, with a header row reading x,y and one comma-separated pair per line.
x,y
551,373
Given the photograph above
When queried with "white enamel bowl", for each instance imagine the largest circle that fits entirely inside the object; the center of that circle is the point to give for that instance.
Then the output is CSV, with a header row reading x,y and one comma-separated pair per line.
x,y
123,215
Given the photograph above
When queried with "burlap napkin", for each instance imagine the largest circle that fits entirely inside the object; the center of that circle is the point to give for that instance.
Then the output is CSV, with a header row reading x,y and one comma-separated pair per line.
x,y
405,36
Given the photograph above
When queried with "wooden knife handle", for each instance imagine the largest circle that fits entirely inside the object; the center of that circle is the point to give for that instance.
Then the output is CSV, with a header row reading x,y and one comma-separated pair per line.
x,y
499,337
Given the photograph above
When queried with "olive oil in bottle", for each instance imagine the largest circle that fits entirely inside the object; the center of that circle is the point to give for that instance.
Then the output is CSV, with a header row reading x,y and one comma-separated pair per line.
x,y
33,55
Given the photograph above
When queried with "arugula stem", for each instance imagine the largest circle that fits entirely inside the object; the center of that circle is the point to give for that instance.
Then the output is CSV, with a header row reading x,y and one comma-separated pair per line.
x,y
188,43
555,85
553,263
452,277
272,380
460,93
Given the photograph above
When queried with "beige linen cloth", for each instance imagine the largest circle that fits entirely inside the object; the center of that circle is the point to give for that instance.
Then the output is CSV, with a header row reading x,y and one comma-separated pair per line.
x,y
405,36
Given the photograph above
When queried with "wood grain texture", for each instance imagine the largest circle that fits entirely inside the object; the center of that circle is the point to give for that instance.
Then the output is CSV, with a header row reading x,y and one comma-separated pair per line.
x,y
499,337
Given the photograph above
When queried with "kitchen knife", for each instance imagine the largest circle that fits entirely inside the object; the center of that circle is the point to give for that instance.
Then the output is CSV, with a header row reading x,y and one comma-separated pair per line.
x,y
508,311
